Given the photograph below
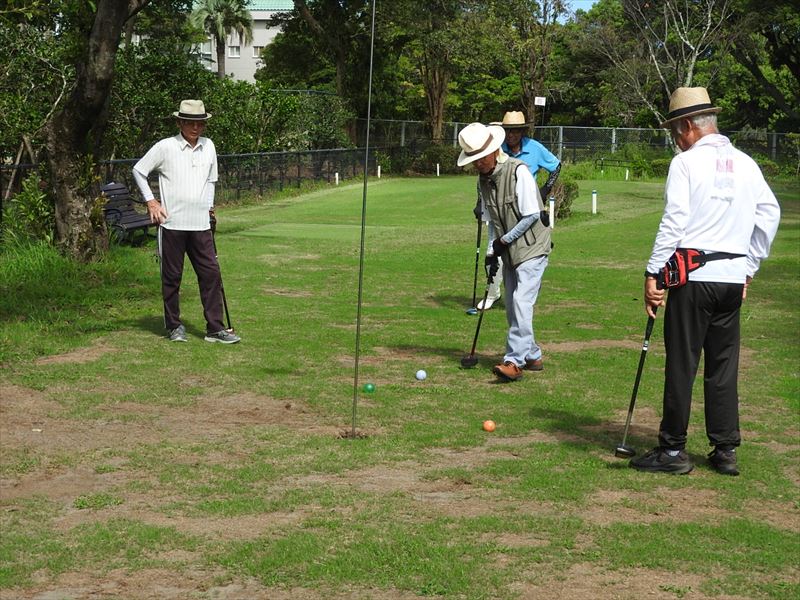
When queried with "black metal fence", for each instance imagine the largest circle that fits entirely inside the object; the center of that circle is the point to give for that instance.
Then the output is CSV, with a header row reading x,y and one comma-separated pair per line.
x,y
261,174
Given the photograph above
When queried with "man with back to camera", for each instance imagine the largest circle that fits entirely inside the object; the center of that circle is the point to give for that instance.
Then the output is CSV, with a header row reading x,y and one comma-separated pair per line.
x,y
187,171
716,201
511,199
518,145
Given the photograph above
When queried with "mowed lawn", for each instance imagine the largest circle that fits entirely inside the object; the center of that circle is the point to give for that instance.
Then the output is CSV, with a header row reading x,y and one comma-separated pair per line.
x,y
136,468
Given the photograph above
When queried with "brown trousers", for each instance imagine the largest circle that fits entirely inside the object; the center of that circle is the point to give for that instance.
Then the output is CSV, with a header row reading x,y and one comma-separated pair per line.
x,y
199,247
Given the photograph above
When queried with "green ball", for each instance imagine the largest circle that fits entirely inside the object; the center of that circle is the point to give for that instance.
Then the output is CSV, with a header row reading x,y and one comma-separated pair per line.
x,y
369,387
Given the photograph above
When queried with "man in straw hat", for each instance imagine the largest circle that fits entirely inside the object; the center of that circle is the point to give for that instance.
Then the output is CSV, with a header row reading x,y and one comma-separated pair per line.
x,y
187,171
518,145
511,199
717,202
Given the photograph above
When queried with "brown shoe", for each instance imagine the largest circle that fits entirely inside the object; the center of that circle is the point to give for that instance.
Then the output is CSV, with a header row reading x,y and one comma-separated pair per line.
x,y
534,364
508,371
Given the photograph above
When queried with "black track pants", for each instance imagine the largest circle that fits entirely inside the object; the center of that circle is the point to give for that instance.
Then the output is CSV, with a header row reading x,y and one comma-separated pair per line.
x,y
702,316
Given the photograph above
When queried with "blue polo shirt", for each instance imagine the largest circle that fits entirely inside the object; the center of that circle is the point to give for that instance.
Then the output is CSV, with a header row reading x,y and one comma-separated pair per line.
x,y
533,154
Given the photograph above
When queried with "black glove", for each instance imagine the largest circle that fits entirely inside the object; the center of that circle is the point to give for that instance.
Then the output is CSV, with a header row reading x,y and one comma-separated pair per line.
x,y
544,217
477,210
491,265
498,247
212,219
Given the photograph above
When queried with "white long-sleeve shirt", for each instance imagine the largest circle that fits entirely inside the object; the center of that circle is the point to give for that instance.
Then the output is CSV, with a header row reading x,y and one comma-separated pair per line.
x,y
186,178
716,199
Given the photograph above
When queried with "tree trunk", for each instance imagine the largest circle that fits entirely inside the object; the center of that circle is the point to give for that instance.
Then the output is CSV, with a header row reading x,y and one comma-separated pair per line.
x,y
220,44
74,131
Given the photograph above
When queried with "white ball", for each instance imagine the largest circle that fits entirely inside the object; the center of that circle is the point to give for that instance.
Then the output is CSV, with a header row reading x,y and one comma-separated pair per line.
x,y
421,375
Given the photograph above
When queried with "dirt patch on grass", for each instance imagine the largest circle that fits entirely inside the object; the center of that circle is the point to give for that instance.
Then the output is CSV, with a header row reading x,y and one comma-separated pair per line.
x,y
581,581
79,355
31,422
287,293
582,346
606,507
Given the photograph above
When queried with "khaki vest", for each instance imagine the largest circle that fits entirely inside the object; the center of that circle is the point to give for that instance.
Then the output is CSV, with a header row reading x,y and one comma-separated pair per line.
x,y
499,193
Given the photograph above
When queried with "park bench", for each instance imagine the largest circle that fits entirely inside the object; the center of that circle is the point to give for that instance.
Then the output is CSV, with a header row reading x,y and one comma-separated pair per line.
x,y
601,163
122,218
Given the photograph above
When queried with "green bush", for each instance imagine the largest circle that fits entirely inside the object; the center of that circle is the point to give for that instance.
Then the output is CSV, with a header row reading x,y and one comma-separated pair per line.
x,y
768,167
445,156
564,191
659,167
579,170
30,216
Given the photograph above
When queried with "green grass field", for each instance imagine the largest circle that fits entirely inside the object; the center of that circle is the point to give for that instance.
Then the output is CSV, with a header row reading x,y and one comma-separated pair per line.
x,y
135,468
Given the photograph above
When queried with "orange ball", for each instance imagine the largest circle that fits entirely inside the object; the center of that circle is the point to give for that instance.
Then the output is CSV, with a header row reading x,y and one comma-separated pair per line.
x,y
488,425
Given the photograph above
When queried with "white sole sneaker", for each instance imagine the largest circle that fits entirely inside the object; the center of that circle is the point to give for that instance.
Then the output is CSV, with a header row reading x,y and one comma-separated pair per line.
x,y
489,303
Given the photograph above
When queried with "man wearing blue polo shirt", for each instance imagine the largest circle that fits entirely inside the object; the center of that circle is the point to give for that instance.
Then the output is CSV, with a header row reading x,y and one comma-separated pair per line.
x,y
536,156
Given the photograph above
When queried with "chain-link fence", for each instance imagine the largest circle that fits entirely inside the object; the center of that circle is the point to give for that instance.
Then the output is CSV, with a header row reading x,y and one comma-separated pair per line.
x,y
396,141
587,143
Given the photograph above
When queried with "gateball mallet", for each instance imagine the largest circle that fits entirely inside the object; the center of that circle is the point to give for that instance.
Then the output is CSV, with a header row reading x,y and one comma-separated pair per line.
x,y
221,286
470,360
623,450
473,309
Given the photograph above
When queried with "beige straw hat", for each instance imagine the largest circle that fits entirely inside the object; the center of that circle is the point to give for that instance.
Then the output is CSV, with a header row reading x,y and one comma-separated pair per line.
x,y
687,102
514,119
192,110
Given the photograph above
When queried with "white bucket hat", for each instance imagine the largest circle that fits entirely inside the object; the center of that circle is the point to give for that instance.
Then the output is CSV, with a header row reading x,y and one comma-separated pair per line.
x,y
192,110
687,102
478,140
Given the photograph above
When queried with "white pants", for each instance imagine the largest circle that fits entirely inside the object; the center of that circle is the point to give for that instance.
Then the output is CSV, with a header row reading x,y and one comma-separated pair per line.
x,y
522,289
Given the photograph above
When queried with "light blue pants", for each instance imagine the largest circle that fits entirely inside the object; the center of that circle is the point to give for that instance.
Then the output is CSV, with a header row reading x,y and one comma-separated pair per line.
x,y
522,289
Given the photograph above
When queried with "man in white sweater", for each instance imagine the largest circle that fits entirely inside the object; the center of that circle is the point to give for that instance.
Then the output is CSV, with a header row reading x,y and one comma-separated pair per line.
x,y
187,171
717,202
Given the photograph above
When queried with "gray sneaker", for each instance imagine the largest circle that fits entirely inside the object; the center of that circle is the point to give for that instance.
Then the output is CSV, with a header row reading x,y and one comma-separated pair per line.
x,y
223,337
178,334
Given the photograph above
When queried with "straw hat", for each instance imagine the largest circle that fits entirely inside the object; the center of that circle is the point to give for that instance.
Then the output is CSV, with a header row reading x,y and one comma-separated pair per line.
x,y
687,102
478,140
514,119
192,110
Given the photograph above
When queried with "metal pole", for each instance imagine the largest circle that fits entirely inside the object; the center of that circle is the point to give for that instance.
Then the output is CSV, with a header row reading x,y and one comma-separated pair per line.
x,y
363,228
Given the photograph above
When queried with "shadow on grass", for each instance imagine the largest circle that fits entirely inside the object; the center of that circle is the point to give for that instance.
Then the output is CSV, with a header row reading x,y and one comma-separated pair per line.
x,y
150,323
580,429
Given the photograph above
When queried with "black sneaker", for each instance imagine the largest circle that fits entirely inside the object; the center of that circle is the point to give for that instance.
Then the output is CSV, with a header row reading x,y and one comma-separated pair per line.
x,y
723,461
658,461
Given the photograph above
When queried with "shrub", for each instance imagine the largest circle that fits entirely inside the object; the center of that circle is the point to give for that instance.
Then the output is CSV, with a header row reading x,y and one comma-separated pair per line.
x,y
564,191
659,167
444,156
768,167
30,216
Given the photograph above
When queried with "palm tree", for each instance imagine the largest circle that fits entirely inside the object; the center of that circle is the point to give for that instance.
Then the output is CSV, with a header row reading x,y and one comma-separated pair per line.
x,y
220,18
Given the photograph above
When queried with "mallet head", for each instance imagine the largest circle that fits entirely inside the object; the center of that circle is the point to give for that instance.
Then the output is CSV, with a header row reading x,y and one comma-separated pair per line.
x,y
469,361
623,451
472,311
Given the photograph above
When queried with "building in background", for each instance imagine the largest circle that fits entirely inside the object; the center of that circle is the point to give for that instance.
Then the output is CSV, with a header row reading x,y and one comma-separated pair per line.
x,y
241,61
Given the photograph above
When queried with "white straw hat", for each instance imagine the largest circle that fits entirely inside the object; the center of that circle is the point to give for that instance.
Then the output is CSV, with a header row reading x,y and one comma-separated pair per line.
x,y
478,140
